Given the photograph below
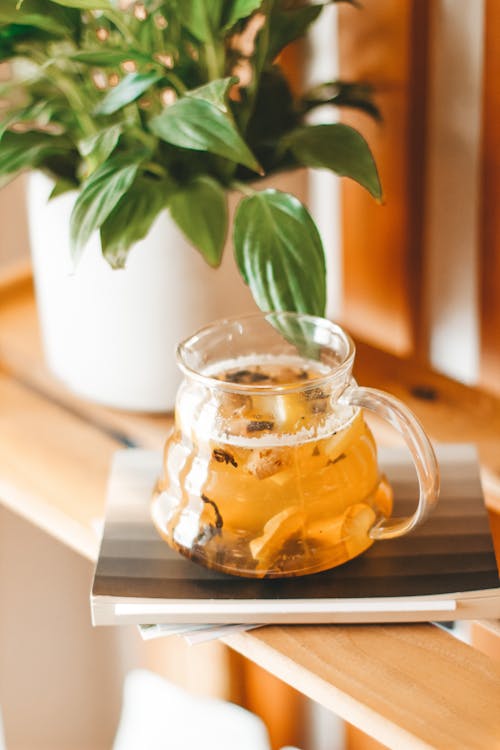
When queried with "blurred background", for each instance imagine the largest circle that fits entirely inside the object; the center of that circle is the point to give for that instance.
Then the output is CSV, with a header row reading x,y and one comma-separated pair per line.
x,y
419,276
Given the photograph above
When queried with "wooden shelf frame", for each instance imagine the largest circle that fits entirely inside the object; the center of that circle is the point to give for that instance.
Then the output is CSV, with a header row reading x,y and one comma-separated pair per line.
x,y
408,686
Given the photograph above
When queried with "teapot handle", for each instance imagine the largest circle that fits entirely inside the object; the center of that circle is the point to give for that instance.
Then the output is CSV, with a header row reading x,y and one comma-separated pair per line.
x,y
407,425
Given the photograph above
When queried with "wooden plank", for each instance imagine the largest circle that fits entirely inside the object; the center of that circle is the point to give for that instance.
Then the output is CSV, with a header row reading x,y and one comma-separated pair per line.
x,y
54,468
450,411
358,740
384,43
406,686
451,217
490,215
485,636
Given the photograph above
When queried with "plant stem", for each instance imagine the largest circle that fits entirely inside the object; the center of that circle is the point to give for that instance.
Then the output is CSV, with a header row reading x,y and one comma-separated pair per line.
x,y
148,140
176,81
156,169
212,61
117,20
69,90
78,106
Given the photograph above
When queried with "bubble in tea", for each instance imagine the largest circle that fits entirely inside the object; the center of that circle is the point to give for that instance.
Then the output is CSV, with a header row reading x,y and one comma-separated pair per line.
x,y
275,479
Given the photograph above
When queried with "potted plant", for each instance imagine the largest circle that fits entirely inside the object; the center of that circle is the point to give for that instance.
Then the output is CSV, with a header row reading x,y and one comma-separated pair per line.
x,y
132,108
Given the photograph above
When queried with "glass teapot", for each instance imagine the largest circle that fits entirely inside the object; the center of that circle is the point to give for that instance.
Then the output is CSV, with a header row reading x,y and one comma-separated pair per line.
x,y
271,469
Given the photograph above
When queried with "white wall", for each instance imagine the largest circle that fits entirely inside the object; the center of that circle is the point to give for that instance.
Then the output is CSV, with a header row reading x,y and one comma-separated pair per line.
x,y
60,680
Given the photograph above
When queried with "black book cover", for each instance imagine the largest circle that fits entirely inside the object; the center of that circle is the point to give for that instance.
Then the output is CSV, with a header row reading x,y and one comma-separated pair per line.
x,y
445,569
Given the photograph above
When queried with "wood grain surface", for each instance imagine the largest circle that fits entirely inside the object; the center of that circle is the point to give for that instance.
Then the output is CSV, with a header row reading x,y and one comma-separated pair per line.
x,y
490,215
383,42
407,686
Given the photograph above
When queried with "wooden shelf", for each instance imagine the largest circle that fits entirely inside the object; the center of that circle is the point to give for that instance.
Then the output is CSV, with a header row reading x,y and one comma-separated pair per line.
x,y
408,686
412,686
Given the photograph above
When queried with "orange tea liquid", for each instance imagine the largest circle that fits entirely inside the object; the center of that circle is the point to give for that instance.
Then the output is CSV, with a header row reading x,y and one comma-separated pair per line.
x,y
270,485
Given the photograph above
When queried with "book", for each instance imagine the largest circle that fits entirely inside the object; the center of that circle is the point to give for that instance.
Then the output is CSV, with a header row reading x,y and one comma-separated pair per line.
x,y
442,571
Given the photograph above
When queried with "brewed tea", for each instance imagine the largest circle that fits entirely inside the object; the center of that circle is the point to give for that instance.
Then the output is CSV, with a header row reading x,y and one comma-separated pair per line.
x,y
273,480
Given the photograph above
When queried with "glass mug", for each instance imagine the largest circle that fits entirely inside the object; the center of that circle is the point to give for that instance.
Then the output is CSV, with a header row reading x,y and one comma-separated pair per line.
x,y
271,469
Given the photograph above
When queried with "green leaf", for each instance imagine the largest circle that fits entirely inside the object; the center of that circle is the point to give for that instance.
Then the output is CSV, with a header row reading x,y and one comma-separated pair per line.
x,y
38,21
85,4
199,125
9,119
132,218
341,94
62,186
274,114
200,210
70,18
102,143
237,10
279,253
98,197
36,114
21,151
215,92
128,90
205,19
214,12
288,25
339,148
194,15
110,57
97,148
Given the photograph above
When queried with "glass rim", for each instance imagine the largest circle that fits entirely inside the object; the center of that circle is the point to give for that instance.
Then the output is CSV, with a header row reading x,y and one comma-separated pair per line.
x,y
334,371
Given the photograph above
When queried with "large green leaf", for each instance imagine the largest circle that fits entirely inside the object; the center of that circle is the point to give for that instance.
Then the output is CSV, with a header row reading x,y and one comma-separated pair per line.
x,y
112,57
200,210
132,218
205,20
56,18
62,186
214,92
341,94
279,253
128,90
38,21
19,151
69,16
85,4
238,9
339,148
9,119
36,112
98,197
215,9
97,148
273,115
288,25
199,125
197,16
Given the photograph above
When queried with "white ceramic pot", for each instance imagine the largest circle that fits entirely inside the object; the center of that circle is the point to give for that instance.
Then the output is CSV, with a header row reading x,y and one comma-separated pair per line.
x,y
110,335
